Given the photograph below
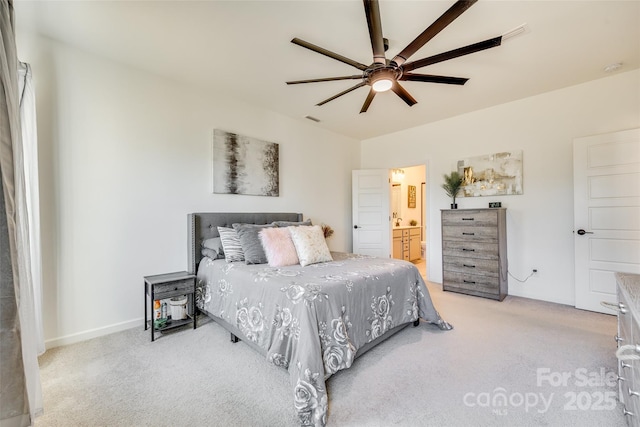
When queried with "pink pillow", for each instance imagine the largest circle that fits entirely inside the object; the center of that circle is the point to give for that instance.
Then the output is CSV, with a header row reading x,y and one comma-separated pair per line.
x,y
278,247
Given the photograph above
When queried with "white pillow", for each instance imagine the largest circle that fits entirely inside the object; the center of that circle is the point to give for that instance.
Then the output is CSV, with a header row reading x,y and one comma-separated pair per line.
x,y
310,244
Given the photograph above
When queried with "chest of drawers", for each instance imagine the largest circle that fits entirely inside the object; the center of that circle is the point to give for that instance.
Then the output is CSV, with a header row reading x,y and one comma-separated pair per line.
x,y
628,290
474,252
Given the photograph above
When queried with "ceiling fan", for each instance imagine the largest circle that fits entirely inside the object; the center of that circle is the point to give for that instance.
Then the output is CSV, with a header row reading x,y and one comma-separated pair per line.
x,y
384,74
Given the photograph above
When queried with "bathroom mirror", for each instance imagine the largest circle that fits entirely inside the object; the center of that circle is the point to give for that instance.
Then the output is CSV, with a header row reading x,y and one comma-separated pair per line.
x,y
396,199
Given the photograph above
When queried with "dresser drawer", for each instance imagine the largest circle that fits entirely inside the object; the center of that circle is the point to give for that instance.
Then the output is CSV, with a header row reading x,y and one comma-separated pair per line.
x,y
484,267
461,282
166,290
470,234
470,249
473,218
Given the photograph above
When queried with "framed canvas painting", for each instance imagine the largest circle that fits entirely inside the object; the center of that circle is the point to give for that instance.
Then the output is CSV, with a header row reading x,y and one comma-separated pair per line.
x,y
245,165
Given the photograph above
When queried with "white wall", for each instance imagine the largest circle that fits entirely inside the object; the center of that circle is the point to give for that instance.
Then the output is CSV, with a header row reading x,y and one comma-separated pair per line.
x,y
124,156
540,222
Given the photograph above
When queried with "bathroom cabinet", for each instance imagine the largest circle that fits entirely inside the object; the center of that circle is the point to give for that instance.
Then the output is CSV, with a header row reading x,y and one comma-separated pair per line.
x,y
406,243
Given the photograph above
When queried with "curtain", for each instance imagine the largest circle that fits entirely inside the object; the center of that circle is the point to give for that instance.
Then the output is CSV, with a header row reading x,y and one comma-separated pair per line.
x,y
32,189
20,386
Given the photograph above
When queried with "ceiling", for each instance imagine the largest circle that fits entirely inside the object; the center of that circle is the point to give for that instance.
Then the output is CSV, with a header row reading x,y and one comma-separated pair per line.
x,y
242,49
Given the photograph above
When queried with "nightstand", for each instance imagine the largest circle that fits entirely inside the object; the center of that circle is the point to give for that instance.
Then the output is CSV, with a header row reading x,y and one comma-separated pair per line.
x,y
162,286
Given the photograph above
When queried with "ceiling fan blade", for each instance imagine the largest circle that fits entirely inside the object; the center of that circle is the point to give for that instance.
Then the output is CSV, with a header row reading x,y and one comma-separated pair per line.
x,y
326,79
402,93
440,24
372,10
466,50
367,102
341,93
328,53
429,78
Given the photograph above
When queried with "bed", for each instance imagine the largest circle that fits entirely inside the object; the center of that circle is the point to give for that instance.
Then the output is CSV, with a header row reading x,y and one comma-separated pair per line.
x,y
312,320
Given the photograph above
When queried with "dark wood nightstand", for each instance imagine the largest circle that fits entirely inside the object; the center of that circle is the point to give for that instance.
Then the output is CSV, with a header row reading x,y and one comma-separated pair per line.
x,y
162,286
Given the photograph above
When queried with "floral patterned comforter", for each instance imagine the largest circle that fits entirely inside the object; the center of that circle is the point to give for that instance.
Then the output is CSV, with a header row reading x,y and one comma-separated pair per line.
x,y
312,320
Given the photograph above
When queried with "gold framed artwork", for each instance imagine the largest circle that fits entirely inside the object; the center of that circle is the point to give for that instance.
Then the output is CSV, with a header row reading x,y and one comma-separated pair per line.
x,y
412,196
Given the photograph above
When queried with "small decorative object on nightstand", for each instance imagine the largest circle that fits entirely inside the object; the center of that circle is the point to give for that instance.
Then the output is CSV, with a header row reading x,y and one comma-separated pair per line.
x,y
163,286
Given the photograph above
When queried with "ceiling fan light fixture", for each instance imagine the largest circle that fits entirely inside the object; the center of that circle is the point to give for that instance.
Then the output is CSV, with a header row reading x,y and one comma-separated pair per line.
x,y
382,85
382,79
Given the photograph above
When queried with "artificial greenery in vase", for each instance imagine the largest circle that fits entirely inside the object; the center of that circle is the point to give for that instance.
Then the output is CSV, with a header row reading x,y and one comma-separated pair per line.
x,y
452,185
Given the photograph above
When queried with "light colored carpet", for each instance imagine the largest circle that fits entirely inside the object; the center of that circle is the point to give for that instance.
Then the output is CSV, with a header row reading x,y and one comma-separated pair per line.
x,y
420,377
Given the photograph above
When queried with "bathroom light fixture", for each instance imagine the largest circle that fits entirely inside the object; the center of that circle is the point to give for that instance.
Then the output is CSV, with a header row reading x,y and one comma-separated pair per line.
x,y
397,174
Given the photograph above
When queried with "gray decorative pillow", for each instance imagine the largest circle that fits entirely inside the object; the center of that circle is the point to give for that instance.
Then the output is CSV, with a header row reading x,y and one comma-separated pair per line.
x,y
210,253
213,248
250,242
231,244
291,223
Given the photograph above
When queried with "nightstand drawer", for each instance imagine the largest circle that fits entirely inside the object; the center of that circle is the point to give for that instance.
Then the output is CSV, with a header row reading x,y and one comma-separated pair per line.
x,y
166,290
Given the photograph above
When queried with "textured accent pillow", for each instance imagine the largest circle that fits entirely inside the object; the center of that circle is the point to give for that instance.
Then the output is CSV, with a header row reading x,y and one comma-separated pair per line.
x,y
291,223
212,248
210,253
310,244
250,242
231,244
278,247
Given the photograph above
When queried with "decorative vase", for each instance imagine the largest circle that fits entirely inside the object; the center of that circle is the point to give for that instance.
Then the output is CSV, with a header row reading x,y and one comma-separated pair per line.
x,y
454,206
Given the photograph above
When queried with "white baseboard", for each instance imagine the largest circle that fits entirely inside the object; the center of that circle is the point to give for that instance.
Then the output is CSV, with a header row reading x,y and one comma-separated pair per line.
x,y
93,333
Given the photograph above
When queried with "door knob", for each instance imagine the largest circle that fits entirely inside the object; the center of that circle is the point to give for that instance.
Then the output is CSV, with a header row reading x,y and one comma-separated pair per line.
x,y
355,226
582,232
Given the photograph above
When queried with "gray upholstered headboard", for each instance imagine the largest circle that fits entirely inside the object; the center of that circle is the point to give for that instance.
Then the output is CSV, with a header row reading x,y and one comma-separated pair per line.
x,y
204,226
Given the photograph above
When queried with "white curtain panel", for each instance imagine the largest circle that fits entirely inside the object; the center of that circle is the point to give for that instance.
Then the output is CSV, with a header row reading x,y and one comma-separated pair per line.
x,y
32,189
12,165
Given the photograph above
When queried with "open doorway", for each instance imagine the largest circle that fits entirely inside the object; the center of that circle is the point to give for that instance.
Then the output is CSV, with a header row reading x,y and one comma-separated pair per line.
x,y
409,214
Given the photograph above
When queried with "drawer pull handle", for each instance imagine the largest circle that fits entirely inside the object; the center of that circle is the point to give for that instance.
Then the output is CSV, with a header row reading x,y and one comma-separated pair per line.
x,y
623,352
624,365
618,338
468,250
633,393
621,378
469,281
468,234
620,307
625,412
468,266
467,219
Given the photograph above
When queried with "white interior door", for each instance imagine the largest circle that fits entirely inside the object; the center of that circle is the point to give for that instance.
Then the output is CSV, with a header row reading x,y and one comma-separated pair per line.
x,y
371,211
606,182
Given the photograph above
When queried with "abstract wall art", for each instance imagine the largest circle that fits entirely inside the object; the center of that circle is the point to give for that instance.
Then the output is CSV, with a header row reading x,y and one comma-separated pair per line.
x,y
492,174
244,165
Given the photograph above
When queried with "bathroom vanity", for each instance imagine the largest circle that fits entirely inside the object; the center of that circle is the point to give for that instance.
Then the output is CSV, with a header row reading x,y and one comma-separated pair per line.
x,y
406,243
